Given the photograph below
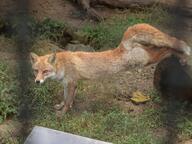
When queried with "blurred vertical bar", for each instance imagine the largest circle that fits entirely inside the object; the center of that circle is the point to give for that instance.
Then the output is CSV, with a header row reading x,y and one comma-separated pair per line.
x,y
178,25
17,12
23,48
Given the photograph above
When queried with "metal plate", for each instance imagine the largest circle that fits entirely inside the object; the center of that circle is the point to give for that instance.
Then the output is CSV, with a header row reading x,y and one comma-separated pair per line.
x,y
42,135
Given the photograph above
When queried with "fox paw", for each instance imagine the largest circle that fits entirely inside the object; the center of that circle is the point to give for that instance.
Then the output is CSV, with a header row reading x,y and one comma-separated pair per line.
x,y
65,109
59,106
59,114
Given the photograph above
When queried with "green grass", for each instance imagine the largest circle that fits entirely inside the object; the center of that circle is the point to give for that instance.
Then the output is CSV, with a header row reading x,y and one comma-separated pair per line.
x,y
8,95
185,127
49,29
101,118
112,125
108,35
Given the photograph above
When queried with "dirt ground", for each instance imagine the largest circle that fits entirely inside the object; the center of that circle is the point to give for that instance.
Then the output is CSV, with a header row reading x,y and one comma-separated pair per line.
x,y
62,10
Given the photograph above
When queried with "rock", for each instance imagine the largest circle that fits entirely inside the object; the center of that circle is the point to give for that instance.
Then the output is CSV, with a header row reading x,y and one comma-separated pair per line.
x,y
79,47
139,70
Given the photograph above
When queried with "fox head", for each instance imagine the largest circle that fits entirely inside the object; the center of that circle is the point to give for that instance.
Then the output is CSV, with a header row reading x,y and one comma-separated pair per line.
x,y
43,66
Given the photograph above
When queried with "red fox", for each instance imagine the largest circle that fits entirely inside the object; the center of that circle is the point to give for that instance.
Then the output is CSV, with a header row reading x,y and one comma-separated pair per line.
x,y
141,45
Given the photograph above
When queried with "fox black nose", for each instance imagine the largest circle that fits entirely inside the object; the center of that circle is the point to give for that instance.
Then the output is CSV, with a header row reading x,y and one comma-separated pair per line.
x,y
37,81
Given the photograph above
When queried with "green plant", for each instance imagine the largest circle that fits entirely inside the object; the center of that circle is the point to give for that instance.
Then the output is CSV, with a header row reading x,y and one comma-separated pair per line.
x,y
46,29
8,97
50,29
155,96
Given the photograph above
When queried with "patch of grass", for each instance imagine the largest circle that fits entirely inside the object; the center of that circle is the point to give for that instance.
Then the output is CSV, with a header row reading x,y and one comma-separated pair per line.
x,y
185,127
155,96
46,29
102,120
8,96
184,121
111,125
99,120
152,117
43,97
10,140
7,45
108,34
50,29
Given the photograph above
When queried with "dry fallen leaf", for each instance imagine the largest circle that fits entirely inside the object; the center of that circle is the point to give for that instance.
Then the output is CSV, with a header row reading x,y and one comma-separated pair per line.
x,y
138,97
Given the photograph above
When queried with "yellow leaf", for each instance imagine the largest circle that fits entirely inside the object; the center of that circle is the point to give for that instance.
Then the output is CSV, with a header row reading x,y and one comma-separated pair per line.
x,y
138,97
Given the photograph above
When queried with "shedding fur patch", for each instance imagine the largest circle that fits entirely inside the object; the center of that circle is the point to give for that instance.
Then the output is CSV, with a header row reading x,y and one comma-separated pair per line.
x,y
137,57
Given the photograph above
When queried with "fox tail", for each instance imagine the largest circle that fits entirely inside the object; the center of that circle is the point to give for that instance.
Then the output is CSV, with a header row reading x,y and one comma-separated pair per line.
x,y
145,34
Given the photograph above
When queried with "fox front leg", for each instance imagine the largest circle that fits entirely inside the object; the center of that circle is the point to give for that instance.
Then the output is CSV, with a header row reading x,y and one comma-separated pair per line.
x,y
69,94
65,95
69,97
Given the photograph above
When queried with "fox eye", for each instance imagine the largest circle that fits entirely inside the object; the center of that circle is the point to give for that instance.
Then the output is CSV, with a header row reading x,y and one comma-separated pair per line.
x,y
35,70
46,71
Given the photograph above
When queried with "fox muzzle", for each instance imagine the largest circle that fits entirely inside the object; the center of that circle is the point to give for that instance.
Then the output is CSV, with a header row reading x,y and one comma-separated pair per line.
x,y
39,81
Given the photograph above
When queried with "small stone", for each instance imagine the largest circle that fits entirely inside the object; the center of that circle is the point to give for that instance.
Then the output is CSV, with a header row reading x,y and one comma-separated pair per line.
x,y
139,70
128,72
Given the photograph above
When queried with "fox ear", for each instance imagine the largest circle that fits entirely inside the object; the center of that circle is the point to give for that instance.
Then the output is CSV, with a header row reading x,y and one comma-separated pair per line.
x,y
33,57
52,58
